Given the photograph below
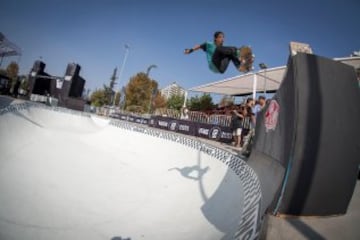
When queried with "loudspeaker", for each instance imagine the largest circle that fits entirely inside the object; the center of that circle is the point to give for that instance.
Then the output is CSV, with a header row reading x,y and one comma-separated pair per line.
x,y
77,87
38,67
72,70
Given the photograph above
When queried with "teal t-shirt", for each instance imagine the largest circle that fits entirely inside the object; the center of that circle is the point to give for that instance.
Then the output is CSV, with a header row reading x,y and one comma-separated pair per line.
x,y
209,48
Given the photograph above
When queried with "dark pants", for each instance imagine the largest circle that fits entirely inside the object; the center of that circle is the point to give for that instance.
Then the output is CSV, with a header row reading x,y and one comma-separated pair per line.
x,y
222,57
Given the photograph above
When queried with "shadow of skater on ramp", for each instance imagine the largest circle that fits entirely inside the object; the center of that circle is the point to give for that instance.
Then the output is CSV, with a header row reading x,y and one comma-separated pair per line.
x,y
223,208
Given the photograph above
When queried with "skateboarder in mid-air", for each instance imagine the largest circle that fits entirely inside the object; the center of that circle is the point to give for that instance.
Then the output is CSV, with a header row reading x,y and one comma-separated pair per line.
x,y
219,56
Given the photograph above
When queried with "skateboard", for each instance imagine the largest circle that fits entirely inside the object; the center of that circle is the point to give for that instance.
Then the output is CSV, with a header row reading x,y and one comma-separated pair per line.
x,y
247,59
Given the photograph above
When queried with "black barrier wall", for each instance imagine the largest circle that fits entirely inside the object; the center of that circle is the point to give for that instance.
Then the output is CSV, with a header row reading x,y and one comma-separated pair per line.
x,y
203,130
307,147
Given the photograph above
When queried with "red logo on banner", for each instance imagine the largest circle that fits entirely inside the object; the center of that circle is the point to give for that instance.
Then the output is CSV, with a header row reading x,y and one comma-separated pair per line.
x,y
271,115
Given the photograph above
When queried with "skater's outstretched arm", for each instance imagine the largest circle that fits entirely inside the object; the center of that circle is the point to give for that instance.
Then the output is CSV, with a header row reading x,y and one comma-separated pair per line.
x,y
196,47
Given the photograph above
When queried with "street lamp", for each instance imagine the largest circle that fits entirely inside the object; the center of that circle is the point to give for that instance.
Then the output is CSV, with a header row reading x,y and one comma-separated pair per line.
x,y
264,67
123,65
152,90
149,68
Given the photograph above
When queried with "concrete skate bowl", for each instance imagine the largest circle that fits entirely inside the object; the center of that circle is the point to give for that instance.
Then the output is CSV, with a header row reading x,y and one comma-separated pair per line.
x,y
71,175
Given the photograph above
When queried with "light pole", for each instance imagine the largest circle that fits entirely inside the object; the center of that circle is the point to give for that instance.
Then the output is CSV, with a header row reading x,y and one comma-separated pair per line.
x,y
152,90
185,98
264,67
149,68
123,65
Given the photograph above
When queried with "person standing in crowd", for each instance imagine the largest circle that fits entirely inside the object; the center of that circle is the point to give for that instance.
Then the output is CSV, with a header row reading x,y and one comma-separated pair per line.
x,y
184,113
259,105
250,102
247,124
236,123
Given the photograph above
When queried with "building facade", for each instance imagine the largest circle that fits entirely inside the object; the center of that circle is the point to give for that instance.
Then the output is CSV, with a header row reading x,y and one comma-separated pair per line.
x,y
171,90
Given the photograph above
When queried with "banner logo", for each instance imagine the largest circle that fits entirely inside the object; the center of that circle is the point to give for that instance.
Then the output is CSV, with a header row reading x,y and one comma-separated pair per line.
x,y
271,115
173,126
215,133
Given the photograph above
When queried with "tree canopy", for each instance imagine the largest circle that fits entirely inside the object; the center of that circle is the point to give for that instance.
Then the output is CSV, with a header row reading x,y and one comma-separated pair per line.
x,y
139,92
98,98
159,101
202,103
175,102
12,70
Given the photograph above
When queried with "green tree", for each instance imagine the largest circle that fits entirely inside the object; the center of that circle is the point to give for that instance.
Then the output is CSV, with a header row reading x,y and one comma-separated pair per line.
x,y
194,103
159,101
24,85
200,103
139,92
206,102
98,98
113,79
117,98
12,71
175,102
109,89
226,100
109,93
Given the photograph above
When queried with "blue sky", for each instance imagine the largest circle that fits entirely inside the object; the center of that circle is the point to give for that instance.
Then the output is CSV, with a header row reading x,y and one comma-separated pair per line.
x,y
93,34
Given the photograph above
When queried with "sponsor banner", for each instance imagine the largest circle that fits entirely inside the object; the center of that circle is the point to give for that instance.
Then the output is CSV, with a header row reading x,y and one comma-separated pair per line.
x,y
162,123
226,135
186,127
175,125
203,130
134,119
214,132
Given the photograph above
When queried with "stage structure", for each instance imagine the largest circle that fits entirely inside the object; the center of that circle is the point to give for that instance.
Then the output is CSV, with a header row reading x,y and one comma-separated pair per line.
x,y
7,48
63,91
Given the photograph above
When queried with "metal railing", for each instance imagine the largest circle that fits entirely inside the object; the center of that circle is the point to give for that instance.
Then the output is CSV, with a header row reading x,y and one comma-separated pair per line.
x,y
194,116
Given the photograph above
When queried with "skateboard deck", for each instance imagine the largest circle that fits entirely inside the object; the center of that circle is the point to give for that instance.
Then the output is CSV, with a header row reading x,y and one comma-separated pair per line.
x,y
247,59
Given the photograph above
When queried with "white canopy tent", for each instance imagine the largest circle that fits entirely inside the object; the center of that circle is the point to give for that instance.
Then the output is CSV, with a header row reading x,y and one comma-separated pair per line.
x,y
264,80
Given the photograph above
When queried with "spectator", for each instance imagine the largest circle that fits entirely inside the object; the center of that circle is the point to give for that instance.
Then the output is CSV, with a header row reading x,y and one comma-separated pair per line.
x,y
250,102
16,87
259,105
184,113
247,124
236,123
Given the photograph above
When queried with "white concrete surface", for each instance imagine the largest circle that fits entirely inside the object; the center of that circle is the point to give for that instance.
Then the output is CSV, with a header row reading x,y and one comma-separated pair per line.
x,y
64,176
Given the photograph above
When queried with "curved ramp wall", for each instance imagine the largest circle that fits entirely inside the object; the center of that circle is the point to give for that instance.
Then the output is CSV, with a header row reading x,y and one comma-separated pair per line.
x,y
62,179
307,147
